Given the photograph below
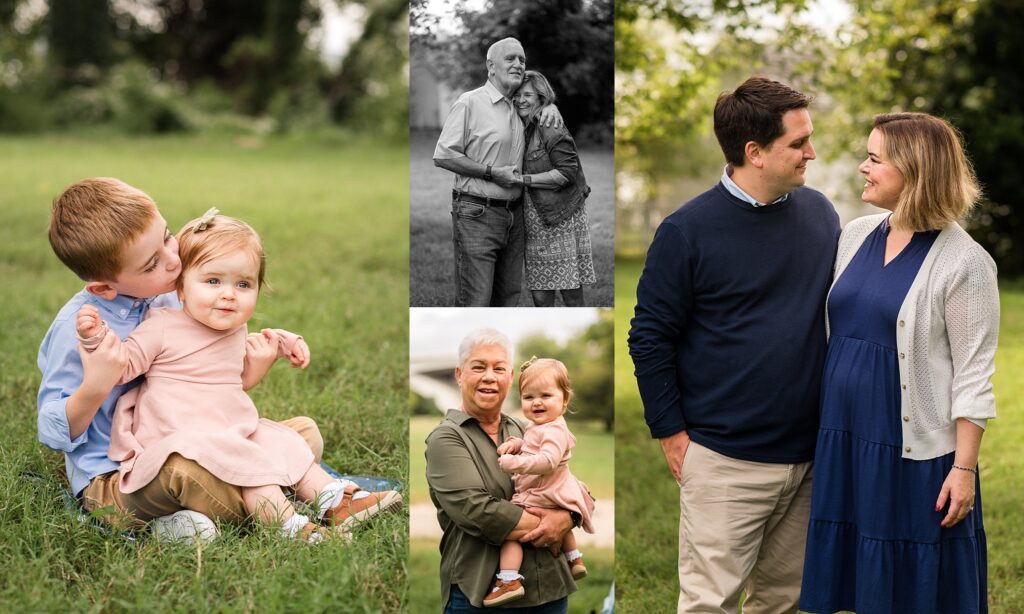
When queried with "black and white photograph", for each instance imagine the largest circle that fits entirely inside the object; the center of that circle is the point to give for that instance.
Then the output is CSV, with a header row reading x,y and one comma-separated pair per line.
x,y
511,154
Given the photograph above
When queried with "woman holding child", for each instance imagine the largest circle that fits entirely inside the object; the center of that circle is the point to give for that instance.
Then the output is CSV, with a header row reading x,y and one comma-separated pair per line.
x,y
473,495
913,317
559,256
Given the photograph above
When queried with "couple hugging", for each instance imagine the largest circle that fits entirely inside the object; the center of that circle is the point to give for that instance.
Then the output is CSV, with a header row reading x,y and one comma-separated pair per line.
x,y
519,194
765,338
184,445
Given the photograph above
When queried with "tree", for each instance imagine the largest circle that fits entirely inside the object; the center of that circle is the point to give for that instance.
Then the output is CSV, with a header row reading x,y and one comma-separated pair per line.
x,y
569,41
588,358
982,92
80,34
371,86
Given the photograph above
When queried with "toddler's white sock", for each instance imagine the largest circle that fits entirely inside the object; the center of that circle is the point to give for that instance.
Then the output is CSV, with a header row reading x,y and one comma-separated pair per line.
x,y
572,555
292,526
507,575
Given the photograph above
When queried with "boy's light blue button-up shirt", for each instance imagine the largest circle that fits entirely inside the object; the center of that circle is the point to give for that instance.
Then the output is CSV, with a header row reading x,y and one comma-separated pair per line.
x,y
85,456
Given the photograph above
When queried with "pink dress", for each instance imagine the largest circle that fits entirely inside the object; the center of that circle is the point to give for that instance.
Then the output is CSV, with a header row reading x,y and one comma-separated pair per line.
x,y
542,477
192,403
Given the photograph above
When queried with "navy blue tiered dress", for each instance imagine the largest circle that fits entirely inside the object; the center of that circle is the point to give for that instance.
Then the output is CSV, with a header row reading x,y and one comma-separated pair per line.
x,y
874,543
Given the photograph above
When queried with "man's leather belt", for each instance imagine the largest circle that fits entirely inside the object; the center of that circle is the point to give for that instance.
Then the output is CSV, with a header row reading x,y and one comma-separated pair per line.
x,y
506,203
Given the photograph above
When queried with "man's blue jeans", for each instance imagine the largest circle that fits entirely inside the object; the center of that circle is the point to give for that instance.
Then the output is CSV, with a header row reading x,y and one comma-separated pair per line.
x,y
458,603
489,254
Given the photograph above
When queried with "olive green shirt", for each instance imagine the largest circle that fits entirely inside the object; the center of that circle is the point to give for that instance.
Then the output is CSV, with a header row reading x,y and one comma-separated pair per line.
x,y
473,500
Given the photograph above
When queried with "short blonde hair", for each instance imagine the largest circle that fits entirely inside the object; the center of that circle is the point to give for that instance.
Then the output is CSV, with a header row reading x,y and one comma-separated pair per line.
x,y
94,221
221,236
940,186
537,366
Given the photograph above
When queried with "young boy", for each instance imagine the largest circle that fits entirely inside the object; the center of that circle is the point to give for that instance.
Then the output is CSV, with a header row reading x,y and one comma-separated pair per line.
x,y
112,236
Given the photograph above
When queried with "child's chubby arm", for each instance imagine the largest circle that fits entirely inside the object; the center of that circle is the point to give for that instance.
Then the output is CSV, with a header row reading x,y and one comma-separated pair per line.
x,y
102,369
266,346
134,355
553,445
512,445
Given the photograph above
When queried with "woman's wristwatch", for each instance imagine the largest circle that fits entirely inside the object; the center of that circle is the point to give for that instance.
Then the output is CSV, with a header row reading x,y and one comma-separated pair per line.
x,y
527,180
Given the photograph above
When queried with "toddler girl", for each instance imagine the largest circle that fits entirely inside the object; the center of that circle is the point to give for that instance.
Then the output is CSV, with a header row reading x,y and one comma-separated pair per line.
x,y
540,464
192,401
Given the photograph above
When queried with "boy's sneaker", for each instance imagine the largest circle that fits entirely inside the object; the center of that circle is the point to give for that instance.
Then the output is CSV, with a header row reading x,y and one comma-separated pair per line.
x,y
578,569
184,525
351,511
504,592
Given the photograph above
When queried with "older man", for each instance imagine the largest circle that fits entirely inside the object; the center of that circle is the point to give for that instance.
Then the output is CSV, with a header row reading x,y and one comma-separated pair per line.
x,y
482,142
472,494
729,343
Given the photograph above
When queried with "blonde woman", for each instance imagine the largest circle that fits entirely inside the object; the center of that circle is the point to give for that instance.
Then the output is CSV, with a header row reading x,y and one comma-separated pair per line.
x,y
913,317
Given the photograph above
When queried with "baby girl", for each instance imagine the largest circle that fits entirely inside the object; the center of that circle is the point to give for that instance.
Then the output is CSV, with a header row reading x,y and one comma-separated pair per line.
x,y
193,402
540,464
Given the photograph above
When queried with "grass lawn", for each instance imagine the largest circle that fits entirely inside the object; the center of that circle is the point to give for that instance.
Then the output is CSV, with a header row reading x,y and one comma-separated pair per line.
x,y
432,262
646,576
333,217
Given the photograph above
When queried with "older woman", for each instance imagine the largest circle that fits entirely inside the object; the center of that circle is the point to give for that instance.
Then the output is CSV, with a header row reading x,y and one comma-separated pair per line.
x,y
558,252
913,316
473,495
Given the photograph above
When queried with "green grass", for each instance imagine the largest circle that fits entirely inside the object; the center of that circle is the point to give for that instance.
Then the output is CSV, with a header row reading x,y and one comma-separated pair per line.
x,y
424,585
646,575
333,217
591,458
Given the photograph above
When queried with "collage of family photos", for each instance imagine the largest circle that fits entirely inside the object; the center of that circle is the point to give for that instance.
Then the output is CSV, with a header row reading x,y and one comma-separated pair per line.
x,y
550,307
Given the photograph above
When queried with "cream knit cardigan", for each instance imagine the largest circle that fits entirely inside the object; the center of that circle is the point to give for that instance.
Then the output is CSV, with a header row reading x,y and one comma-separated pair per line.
x,y
946,336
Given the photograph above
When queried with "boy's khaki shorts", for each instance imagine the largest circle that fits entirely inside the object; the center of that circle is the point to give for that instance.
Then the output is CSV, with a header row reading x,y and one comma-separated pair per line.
x,y
183,484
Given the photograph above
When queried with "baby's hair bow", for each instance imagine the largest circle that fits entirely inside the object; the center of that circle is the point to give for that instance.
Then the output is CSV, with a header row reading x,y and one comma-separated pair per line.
x,y
205,221
527,364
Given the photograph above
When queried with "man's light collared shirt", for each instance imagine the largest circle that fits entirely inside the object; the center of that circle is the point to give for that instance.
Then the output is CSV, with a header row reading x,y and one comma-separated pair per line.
x,y
483,126
738,192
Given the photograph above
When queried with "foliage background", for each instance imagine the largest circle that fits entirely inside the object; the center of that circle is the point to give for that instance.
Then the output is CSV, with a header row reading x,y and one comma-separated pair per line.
x,y
953,58
164,66
569,41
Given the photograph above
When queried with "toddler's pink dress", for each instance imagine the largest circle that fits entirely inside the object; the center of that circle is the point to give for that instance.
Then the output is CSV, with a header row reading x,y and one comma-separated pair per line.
x,y
542,477
192,403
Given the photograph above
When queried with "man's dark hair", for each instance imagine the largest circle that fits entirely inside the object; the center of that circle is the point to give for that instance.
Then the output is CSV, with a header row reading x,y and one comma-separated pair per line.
x,y
753,112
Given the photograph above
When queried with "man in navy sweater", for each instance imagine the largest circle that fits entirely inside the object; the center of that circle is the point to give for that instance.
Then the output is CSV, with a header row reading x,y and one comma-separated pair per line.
x,y
728,341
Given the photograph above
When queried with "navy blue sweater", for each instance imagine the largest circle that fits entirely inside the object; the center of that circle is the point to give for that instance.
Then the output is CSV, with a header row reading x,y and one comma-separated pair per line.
x,y
728,337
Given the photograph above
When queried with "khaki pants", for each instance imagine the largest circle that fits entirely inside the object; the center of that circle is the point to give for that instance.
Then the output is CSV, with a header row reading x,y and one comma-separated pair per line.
x,y
742,525
183,484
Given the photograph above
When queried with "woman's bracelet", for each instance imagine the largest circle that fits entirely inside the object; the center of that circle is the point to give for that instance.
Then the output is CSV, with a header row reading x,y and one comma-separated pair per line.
x,y
91,343
972,470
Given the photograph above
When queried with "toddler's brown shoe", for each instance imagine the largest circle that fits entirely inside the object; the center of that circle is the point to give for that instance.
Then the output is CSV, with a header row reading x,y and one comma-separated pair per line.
x,y
504,592
578,569
351,511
